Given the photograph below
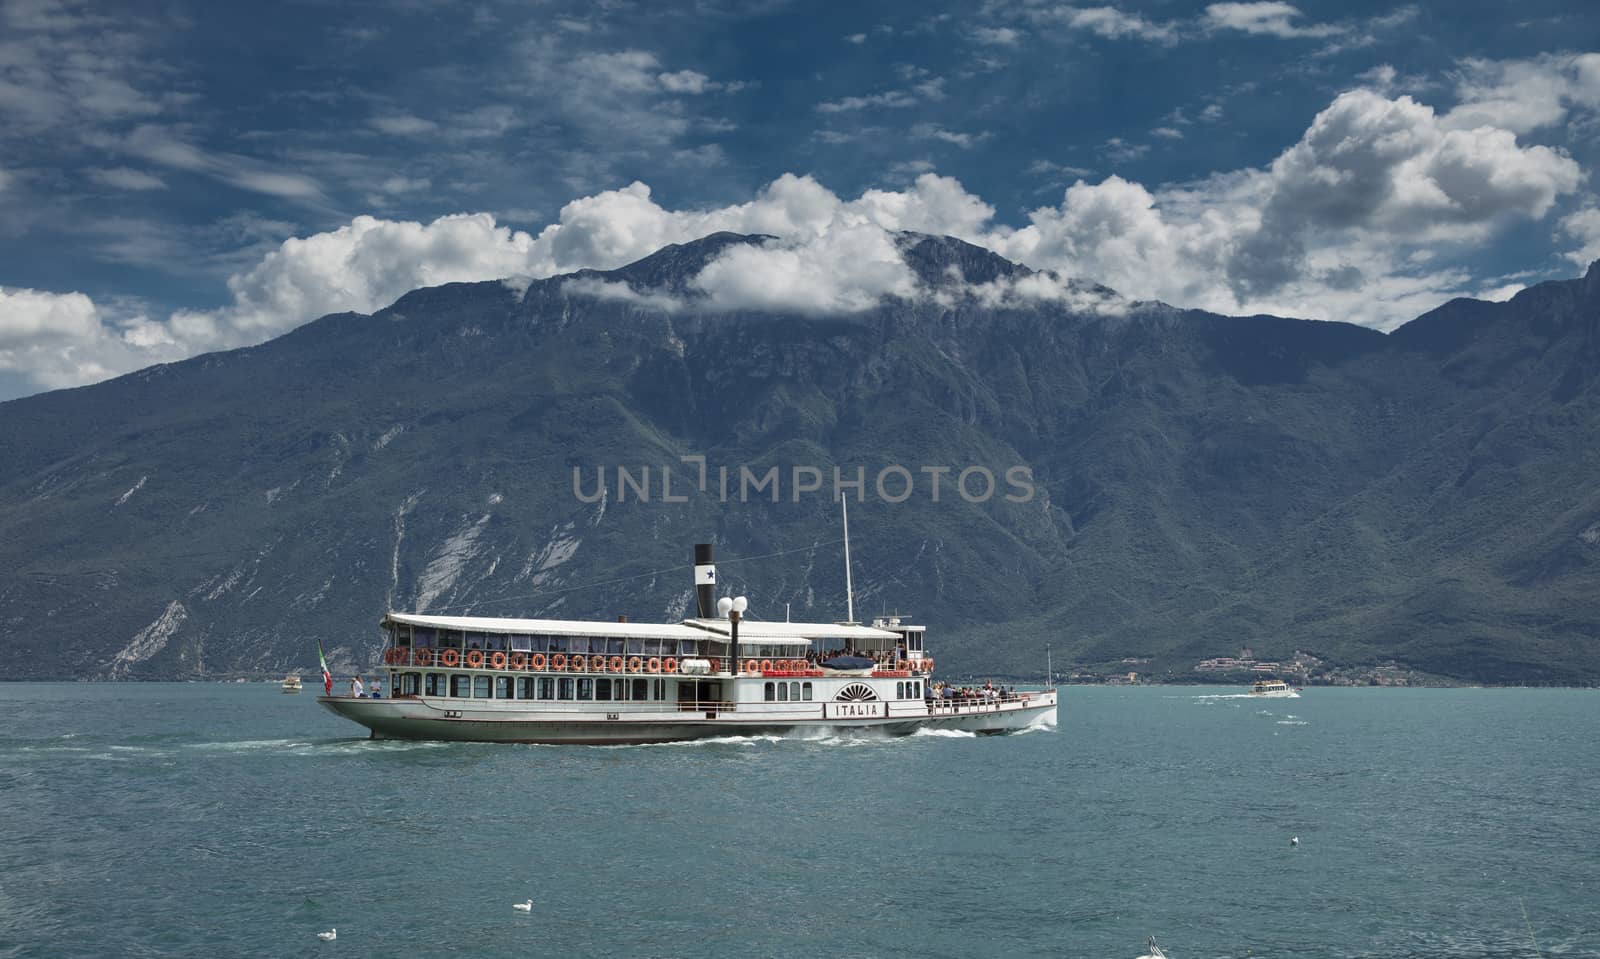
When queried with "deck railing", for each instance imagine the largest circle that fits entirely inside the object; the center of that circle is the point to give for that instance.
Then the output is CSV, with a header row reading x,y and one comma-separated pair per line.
x,y
631,664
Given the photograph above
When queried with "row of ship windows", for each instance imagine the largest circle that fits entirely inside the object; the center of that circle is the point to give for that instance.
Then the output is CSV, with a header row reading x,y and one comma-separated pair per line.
x,y
795,692
581,689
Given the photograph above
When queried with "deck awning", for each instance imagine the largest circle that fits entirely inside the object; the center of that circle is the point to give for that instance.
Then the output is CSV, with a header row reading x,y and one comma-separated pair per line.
x,y
548,627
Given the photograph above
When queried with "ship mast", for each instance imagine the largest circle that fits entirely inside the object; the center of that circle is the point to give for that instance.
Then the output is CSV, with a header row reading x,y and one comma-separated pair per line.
x,y
849,595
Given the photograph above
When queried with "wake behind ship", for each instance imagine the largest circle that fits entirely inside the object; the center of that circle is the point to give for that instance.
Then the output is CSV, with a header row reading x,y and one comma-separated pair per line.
x,y
488,679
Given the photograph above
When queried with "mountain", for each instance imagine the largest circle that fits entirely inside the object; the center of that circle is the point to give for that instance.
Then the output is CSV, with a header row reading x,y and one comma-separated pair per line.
x,y
1199,482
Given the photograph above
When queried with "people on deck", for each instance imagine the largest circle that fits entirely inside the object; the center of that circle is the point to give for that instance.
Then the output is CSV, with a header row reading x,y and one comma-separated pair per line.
x,y
355,687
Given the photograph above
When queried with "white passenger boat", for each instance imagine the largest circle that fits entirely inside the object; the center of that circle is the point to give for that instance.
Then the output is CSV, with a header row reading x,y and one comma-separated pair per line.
x,y
291,683
1272,688
719,674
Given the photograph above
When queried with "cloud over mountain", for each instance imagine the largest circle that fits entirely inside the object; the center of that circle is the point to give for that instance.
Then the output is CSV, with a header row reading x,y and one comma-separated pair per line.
x,y
1360,219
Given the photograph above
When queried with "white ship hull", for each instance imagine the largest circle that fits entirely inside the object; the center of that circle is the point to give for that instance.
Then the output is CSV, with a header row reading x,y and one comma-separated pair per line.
x,y
450,719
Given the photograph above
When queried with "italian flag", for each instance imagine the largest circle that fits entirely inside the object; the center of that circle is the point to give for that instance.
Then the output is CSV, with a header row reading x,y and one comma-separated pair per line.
x,y
327,677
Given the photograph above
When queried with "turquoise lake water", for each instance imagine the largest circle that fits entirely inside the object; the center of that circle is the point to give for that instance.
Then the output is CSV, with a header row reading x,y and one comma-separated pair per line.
x,y
234,820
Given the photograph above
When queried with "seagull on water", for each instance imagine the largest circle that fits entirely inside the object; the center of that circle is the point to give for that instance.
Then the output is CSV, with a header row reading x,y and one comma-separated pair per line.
x,y
1294,840
328,936
523,906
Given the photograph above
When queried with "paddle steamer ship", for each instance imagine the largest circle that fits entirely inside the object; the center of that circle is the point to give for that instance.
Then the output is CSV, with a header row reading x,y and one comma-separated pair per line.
x,y
563,681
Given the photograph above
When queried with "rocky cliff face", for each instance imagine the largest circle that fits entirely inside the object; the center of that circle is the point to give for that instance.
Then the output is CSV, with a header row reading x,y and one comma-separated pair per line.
x,y
1198,482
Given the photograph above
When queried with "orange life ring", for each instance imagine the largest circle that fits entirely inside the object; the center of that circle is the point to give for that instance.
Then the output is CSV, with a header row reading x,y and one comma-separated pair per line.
x,y
796,665
519,660
537,661
558,661
579,663
474,658
424,657
653,666
752,666
669,665
497,660
634,663
449,657
615,664
766,665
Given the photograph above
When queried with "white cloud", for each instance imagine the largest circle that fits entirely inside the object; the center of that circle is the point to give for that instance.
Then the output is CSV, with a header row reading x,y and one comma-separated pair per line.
x,y
997,36
402,125
1390,169
1167,133
1111,23
1525,95
64,339
1583,226
124,178
618,291
685,81
891,99
846,269
932,131
1267,18
856,38
167,148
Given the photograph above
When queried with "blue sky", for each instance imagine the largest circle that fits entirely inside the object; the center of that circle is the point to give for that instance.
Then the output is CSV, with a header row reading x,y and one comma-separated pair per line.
x,y
181,177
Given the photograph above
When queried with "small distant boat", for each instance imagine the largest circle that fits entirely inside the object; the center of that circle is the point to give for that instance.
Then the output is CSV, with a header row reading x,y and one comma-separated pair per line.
x,y
1273,688
291,683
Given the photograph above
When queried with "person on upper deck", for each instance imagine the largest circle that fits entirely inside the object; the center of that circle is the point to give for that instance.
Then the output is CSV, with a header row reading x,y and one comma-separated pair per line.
x,y
355,686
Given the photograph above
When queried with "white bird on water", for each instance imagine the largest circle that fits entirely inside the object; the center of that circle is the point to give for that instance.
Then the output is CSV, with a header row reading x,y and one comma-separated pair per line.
x,y
1294,840
328,936
523,906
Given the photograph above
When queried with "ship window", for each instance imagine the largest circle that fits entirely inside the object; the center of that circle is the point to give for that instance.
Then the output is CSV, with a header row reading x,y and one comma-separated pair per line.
x,y
805,692
558,644
794,691
421,636
564,688
783,692
521,644
449,640
494,641
661,689
586,688
635,647
524,687
772,693
899,690
616,646
460,685
502,687
432,685
480,687
547,687
408,684
602,690
641,689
